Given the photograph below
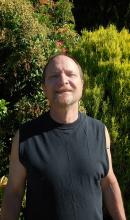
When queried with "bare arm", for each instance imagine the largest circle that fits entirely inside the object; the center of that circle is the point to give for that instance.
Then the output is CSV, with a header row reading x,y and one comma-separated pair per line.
x,y
111,190
15,187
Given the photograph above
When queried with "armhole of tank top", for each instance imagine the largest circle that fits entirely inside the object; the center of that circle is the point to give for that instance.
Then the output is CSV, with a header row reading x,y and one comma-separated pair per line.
x,y
105,150
84,123
21,151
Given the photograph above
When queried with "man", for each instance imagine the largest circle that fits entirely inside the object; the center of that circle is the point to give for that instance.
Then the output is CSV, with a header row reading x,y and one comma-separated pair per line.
x,y
63,155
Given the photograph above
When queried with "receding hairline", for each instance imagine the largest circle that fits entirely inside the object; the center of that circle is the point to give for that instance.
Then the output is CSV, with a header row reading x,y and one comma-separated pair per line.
x,y
58,55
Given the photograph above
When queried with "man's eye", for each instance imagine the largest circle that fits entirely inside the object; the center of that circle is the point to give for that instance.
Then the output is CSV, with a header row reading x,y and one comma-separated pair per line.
x,y
72,75
54,76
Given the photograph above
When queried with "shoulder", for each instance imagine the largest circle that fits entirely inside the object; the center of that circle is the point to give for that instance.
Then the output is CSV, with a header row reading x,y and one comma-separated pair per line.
x,y
32,122
33,127
93,123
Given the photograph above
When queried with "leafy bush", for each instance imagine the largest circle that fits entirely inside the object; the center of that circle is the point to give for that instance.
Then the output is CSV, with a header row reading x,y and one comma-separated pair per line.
x,y
59,20
104,55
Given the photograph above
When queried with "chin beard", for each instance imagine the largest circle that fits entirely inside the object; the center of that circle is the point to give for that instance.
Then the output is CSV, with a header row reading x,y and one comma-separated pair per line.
x,y
64,101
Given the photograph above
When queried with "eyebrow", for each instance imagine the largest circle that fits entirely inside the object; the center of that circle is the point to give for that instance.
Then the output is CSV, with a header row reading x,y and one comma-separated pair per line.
x,y
53,72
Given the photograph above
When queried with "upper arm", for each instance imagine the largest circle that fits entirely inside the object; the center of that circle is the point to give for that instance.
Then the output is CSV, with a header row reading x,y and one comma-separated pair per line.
x,y
17,172
110,178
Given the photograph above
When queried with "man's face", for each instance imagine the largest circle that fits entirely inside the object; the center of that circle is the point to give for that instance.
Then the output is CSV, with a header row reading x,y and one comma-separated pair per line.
x,y
63,83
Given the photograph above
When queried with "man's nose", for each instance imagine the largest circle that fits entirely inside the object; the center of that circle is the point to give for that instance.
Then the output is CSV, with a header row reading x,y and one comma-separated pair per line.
x,y
63,79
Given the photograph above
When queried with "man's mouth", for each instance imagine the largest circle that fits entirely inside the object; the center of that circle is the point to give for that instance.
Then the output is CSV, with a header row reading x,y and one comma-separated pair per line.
x,y
63,91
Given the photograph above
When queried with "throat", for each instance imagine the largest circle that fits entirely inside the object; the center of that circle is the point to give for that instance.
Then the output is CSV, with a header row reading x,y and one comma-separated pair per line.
x,y
64,116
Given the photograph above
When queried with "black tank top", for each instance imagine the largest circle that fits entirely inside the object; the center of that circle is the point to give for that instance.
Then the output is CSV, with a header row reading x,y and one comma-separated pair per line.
x,y
65,164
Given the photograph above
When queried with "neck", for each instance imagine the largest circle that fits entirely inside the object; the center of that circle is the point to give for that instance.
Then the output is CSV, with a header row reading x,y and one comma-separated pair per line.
x,y
64,115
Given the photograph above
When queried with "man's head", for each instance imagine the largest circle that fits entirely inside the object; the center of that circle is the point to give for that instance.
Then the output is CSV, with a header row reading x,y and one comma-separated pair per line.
x,y
62,81
53,57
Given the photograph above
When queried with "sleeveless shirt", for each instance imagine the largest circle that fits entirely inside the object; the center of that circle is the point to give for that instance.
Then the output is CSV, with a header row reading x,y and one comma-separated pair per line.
x,y
65,164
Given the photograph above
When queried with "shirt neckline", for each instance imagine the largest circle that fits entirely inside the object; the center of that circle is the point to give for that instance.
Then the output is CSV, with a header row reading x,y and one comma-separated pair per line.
x,y
64,126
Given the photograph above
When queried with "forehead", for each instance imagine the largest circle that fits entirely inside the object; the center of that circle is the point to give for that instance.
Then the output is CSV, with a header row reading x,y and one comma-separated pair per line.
x,y
62,62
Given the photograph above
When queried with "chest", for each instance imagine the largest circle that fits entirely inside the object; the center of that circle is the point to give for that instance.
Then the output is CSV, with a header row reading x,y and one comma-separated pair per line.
x,y
58,156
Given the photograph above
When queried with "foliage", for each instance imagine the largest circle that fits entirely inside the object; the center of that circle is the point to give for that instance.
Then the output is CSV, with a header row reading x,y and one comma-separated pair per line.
x,y
22,49
3,108
104,55
60,22
4,159
56,14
